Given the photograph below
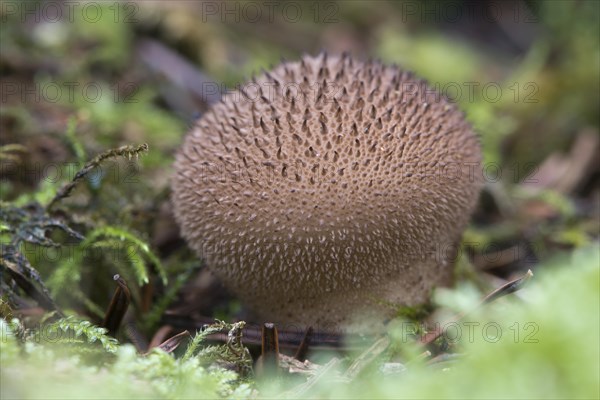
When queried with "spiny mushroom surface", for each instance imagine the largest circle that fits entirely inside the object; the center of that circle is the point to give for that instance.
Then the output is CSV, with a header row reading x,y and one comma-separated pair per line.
x,y
328,188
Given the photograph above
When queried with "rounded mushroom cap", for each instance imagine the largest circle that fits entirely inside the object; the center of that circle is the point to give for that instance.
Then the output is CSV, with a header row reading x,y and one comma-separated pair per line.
x,y
328,187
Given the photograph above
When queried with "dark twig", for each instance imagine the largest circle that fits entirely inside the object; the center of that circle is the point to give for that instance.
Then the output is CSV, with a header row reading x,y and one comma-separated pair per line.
x,y
118,306
160,336
508,288
303,348
270,345
171,344
269,358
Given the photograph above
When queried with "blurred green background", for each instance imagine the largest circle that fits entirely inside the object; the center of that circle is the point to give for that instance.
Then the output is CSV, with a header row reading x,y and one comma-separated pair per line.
x,y
79,78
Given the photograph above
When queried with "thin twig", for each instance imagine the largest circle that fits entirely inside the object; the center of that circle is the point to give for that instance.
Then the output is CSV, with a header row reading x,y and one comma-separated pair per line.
x,y
172,343
66,190
503,290
303,348
269,359
118,306
507,288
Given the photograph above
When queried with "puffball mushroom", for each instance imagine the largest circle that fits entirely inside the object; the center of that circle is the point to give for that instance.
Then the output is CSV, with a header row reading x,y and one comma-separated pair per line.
x,y
328,188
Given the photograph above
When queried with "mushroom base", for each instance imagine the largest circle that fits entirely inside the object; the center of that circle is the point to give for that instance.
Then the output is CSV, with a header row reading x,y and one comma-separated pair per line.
x,y
363,309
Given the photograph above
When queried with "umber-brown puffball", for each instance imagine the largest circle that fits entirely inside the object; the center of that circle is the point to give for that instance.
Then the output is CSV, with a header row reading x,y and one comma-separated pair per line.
x,y
327,190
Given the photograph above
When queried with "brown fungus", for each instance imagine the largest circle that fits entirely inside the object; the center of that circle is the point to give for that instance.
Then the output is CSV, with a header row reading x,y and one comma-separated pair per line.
x,y
328,188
